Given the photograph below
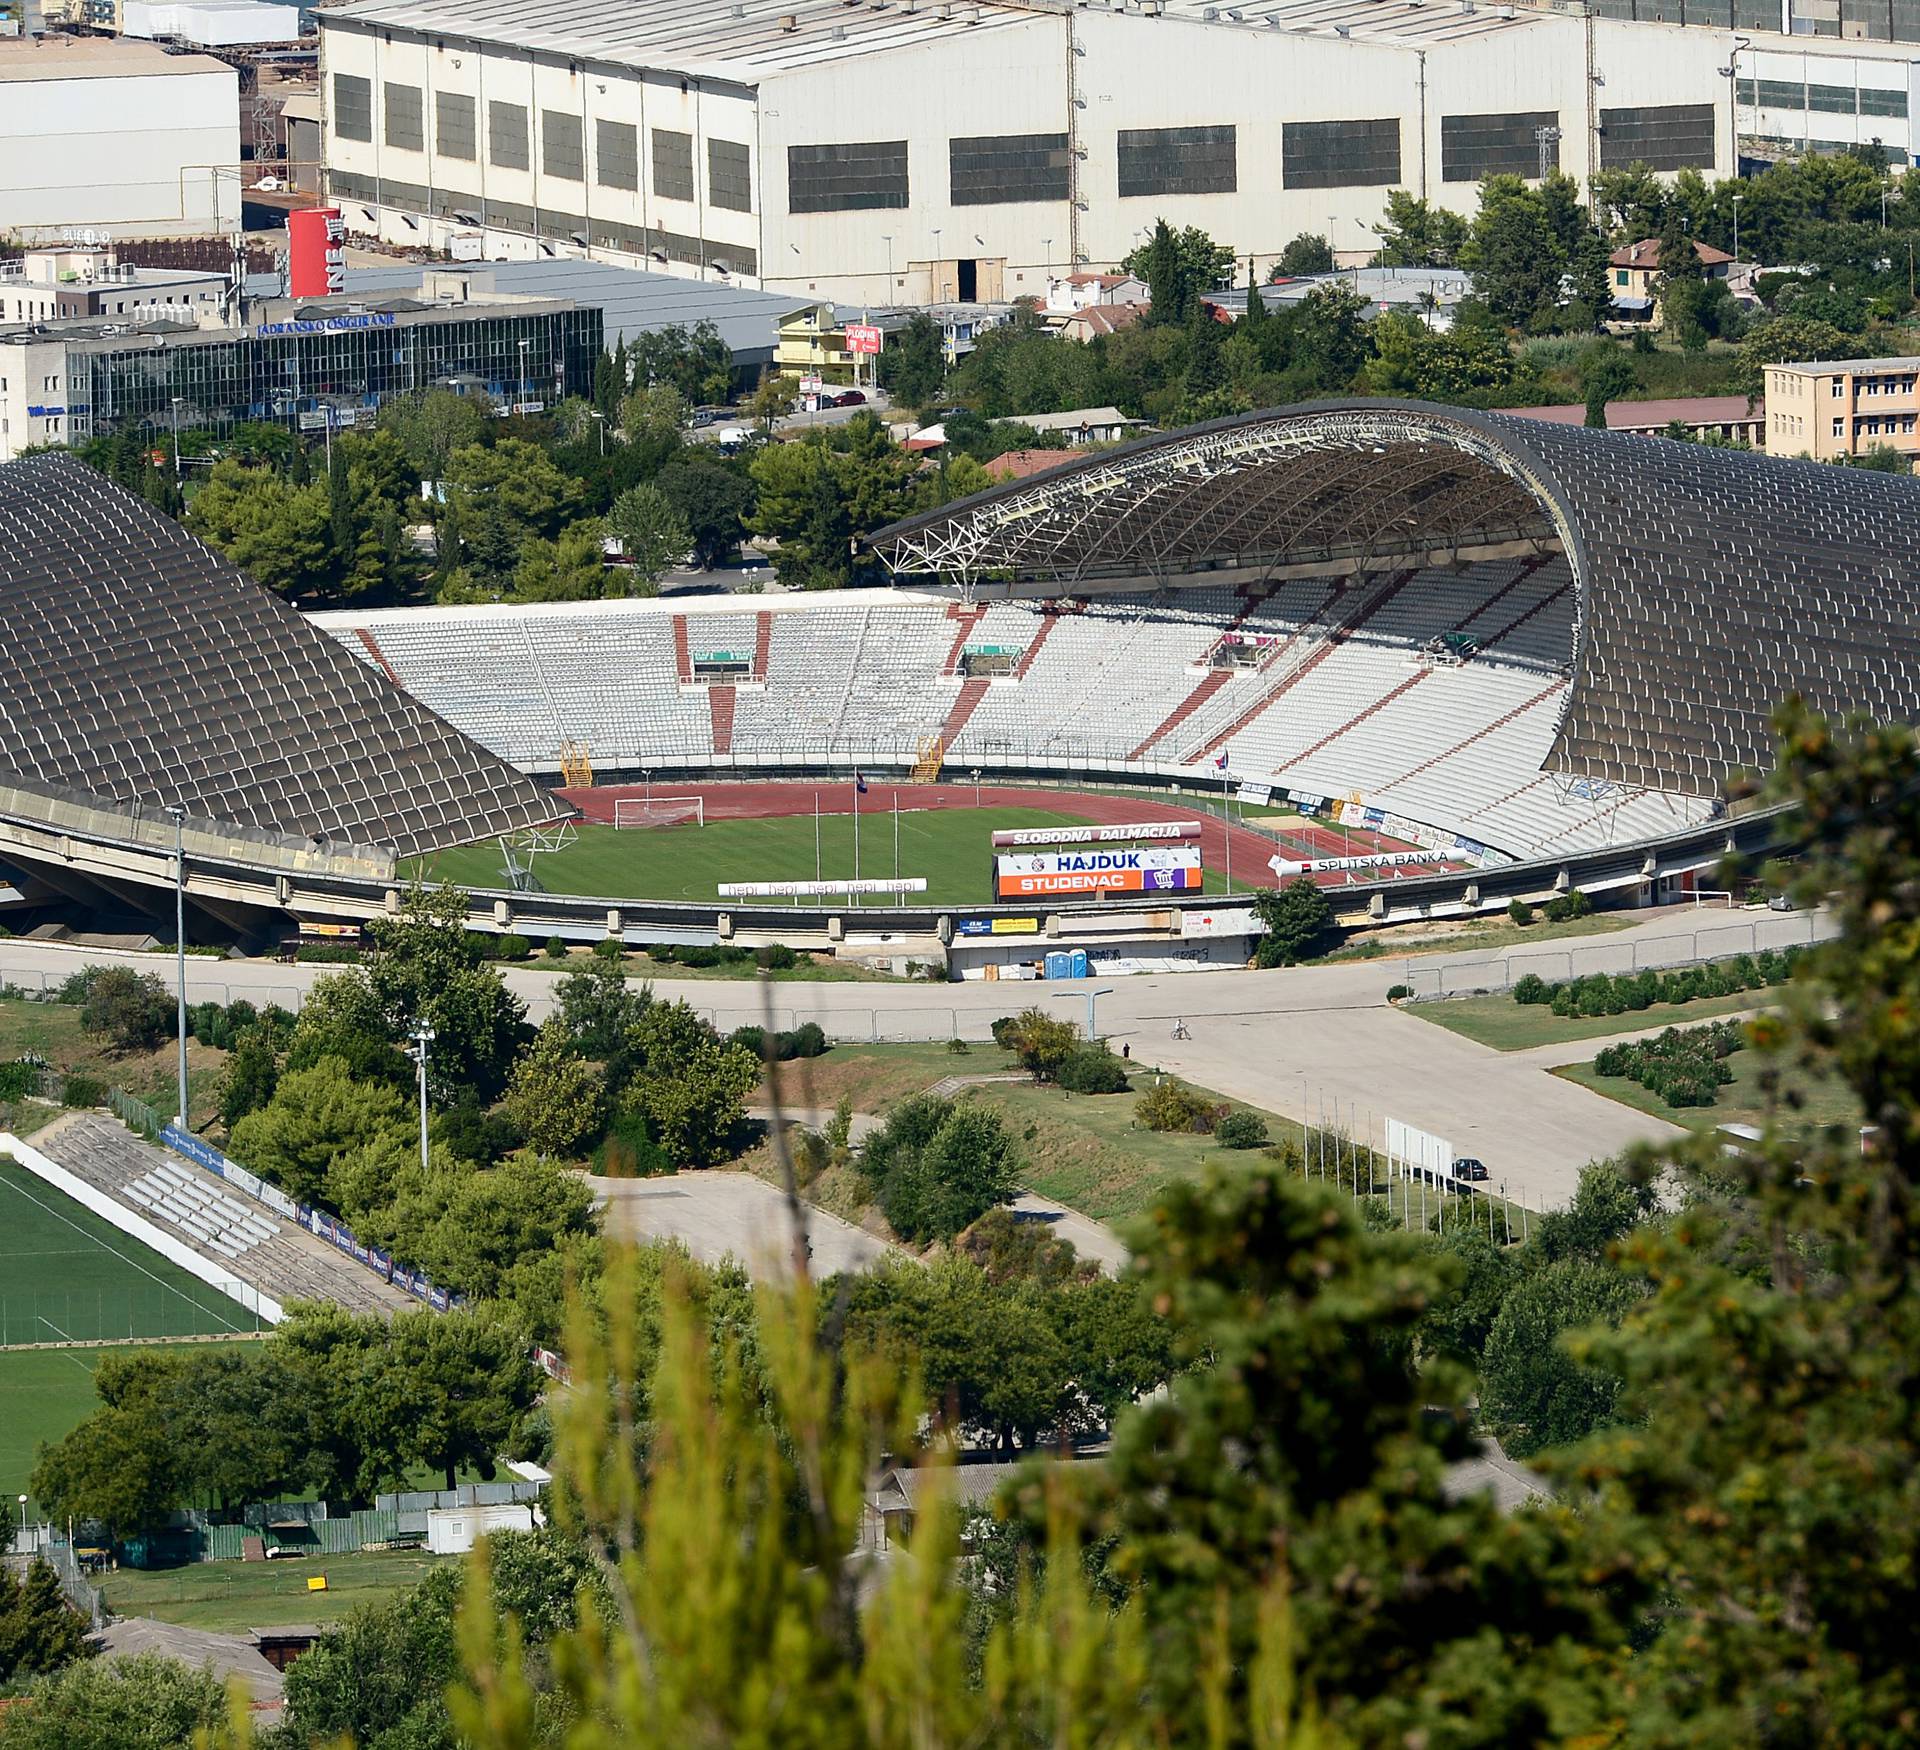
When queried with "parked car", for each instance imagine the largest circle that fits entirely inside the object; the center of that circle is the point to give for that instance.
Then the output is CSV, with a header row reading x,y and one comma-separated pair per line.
x,y
1466,1167
850,398
701,416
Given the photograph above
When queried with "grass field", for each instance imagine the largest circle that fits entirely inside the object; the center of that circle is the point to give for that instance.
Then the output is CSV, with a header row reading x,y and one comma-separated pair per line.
x,y
232,1597
1086,1151
949,847
1509,1026
47,1394
66,1276
1826,1100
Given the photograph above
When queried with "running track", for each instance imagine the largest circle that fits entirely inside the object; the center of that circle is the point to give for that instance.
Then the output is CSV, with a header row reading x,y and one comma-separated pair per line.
x,y
763,801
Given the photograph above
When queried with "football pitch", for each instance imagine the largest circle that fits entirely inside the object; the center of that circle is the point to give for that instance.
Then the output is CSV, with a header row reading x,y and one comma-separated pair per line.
x,y
949,848
68,1277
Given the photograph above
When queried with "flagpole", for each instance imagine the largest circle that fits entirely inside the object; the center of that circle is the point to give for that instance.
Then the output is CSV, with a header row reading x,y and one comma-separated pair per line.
x,y
896,835
1226,810
856,831
816,838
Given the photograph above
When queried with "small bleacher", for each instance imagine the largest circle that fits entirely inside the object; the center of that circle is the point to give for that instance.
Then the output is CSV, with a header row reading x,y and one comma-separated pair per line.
x,y
246,1239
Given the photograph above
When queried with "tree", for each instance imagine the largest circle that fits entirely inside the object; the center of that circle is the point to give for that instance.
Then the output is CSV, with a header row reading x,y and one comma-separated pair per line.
x,y
514,481
1415,234
493,1219
936,1167
1516,259
143,1703
1179,267
714,502
913,364
315,1115
596,1008
342,1017
275,531
1329,338
1041,1042
570,568
40,1632
117,1468
1307,253
466,1381
554,1095
1536,1394
1298,918
1605,375
694,361
689,1086
130,1010
431,425
652,534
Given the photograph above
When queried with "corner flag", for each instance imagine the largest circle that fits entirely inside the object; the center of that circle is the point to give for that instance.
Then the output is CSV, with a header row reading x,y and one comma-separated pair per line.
x,y
859,784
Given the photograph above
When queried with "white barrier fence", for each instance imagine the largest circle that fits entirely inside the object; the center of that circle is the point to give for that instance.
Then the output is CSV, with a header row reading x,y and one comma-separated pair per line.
x,y
137,1227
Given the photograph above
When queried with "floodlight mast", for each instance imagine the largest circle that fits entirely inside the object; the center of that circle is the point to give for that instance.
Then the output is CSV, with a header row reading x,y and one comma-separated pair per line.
x,y
422,1037
178,816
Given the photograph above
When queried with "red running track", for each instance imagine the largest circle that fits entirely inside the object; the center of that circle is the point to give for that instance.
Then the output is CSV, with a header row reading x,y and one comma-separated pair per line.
x,y
766,801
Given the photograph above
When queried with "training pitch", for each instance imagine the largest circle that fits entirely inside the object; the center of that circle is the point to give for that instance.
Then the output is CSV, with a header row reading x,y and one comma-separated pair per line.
x,y
948,847
67,1277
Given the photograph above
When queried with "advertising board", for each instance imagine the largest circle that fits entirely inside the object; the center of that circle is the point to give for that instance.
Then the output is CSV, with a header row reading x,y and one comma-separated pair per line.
x,y
1087,874
1097,835
862,337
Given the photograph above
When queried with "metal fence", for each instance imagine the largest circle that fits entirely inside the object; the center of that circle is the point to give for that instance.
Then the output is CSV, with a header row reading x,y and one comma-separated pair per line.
x,y
1581,959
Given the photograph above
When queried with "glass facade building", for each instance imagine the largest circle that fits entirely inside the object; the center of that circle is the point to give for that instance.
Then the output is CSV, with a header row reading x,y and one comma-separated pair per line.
x,y
307,368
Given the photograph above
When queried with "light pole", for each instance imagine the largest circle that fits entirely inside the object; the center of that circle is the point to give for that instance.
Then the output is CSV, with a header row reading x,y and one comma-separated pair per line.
x,y
600,422
939,277
422,1037
173,407
521,399
1736,226
1106,990
886,237
178,816
23,1521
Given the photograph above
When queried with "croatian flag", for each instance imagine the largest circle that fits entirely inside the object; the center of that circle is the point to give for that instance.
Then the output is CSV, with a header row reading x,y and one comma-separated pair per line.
x,y
1220,765
859,784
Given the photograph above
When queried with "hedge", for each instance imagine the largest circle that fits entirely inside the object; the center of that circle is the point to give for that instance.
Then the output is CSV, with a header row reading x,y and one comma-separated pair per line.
x,y
1683,1066
1603,993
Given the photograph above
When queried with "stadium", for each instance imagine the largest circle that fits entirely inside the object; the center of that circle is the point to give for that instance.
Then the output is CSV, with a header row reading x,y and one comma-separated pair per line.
x,y
1460,657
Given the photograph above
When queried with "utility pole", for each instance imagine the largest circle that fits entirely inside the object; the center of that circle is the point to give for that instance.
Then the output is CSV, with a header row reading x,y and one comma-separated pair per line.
x,y
1547,138
178,816
422,1037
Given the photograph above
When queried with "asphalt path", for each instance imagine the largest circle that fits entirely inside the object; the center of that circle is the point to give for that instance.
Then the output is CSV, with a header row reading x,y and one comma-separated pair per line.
x,y
1317,1044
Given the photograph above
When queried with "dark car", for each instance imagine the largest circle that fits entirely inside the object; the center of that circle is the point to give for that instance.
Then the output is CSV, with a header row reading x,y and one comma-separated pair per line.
x,y
1466,1167
850,398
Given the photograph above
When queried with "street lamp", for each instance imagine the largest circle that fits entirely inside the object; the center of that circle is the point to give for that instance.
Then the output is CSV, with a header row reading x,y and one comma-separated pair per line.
x,y
939,279
23,1521
886,237
522,398
173,408
1736,226
1106,990
600,421
178,816
422,1037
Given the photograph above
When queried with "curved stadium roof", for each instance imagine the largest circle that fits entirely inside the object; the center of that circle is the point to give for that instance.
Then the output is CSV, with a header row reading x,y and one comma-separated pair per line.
x,y
138,666
1709,582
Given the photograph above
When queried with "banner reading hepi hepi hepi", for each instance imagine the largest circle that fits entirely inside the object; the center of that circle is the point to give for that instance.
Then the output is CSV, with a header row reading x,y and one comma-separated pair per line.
x,y
316,253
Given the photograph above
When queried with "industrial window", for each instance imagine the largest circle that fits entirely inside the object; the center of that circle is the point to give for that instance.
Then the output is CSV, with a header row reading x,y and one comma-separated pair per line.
x,y
1892,103
1473,146
1356,154
617,154
1671,136
352,107
453,129
840,179
562,141
729,184
994,169
406,119
1179,160
672,165
507,135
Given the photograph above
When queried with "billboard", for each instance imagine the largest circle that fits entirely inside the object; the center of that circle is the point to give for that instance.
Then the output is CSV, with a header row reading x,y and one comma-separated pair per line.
x,y
1089,874
1288,867
316,253
1097,835
862,337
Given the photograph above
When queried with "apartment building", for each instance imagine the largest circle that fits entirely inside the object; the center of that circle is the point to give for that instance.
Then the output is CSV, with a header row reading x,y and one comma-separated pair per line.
x,y
1843,407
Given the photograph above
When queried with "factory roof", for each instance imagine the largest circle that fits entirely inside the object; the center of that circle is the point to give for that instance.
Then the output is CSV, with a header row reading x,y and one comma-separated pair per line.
x,y
1830,367
752,40
94,57
631,301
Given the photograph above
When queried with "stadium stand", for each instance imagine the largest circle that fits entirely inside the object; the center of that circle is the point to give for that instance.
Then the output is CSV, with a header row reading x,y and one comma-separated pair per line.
x,y
141,668
281,1260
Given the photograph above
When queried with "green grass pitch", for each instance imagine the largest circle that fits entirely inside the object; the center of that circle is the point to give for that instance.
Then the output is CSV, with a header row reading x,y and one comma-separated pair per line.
x,y
66,1276
949,847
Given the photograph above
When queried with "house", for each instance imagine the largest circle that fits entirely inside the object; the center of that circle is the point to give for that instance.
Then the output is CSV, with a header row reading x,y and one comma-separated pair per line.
x,y
811,339
1844,407
1635,272
1098,319
1024,464
1083,425
1430,293
1082,291
1732,417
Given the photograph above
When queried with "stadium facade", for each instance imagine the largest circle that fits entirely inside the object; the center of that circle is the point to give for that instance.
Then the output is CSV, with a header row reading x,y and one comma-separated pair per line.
x,y
1537,650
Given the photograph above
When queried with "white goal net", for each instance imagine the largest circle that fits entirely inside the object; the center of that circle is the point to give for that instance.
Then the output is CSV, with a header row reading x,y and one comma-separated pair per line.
x,y
659,811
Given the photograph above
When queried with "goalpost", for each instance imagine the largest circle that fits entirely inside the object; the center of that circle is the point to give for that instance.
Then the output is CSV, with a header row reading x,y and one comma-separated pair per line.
x,y
659,811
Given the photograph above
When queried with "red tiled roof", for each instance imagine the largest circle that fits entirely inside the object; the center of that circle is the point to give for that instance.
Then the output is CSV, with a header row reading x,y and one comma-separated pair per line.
x,y
1646,254
1106,318
1021,464
1650,415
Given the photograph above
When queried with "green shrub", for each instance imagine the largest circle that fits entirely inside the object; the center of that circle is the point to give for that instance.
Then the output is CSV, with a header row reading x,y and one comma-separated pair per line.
x,y
556,949
1519,912
1241,1129
83,1092
17,1080
750,1039
776,957
1004,1031
610,948
628,1150
806,1040
1532,988
1173,1106
1092,1069
512,947
1562,1003
958,1047
326,954
1566,906
1396,991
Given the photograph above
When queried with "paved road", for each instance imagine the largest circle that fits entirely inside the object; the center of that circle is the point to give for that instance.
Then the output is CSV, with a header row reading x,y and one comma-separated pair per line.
x,y
720,1214
1303,1041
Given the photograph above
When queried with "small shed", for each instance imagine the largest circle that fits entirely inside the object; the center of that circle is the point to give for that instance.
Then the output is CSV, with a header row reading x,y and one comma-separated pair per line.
x,y
452,1531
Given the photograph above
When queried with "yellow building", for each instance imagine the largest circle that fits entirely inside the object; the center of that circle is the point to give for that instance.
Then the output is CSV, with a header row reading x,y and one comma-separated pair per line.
x,y
1635,275
1843,407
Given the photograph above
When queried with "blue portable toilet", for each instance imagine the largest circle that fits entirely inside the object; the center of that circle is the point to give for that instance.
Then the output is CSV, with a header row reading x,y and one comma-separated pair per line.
x,y
1081,969
1059,964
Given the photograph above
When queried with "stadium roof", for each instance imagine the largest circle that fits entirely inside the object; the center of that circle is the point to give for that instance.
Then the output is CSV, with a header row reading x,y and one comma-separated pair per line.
x,y
1709,582
631,300
752,40
140,667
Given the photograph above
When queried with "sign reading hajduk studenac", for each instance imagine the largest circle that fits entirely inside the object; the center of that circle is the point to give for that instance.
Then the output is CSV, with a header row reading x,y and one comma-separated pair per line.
x,y
1150,869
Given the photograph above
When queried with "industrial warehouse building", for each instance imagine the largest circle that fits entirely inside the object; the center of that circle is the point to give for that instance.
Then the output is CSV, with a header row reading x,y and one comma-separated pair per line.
x,y
904,151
